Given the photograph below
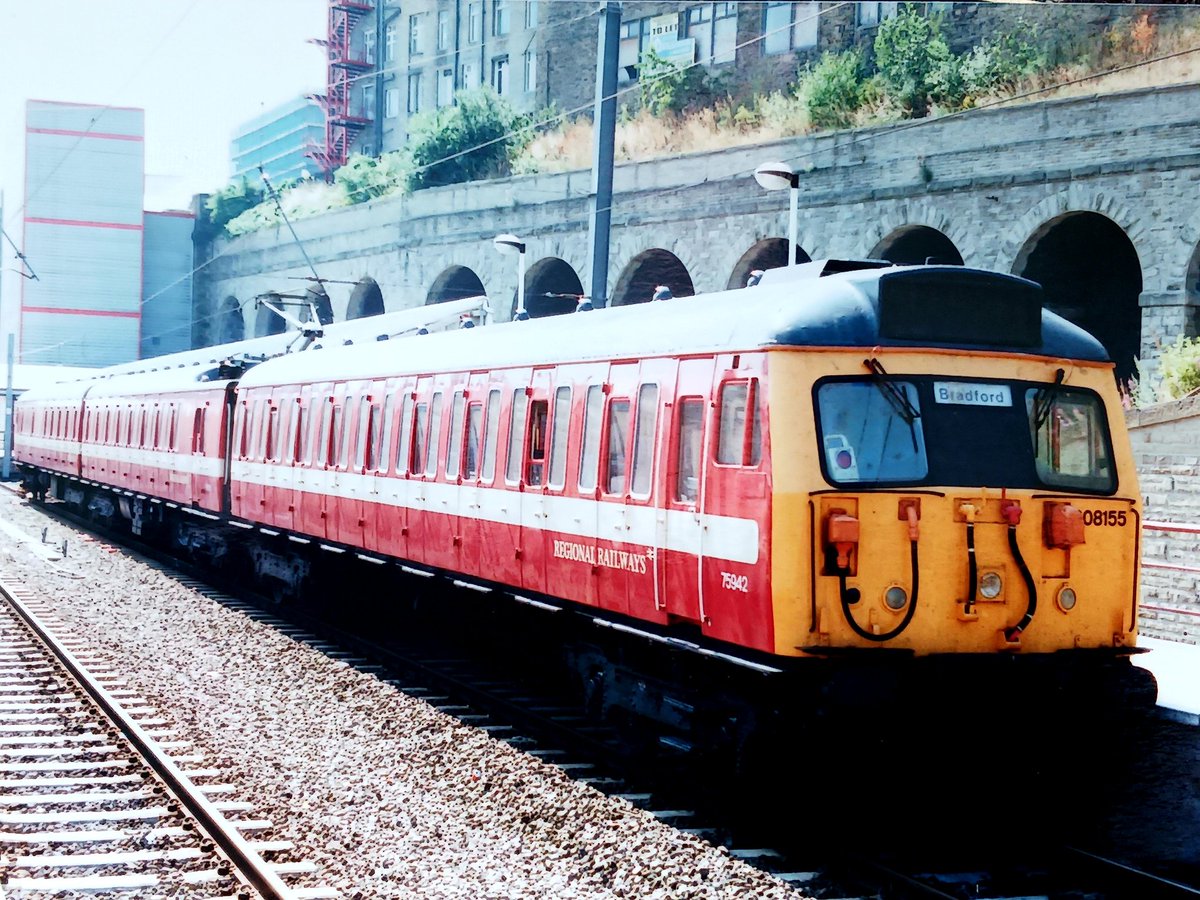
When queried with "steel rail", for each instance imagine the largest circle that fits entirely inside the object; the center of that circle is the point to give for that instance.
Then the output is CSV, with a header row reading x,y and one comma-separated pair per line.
x,y
1157,885
256,871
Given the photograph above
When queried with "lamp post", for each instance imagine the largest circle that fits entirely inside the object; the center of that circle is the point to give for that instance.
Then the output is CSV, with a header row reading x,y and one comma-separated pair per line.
x,y
775,176
509,244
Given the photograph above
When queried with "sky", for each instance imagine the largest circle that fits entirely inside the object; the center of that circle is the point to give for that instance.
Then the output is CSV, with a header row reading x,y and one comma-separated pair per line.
x,y
199,68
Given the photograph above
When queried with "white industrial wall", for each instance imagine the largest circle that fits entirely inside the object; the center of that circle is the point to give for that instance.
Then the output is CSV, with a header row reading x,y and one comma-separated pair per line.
x,y
84,175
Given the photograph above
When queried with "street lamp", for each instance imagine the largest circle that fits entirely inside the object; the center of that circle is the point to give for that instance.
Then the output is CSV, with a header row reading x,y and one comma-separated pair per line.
x,y
509,244
775,176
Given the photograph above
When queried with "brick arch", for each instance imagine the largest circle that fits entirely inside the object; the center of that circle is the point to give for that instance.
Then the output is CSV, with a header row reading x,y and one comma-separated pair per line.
x,y
1013,249
918,214
645,270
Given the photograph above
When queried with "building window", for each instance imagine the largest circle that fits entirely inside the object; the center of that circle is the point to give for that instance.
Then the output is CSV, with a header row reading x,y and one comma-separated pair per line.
x,y
443,29
713,26
633,40
500,75
369,45
468,77
389,43
500,17
391,103
414,35
368,102
531,13
874,13
414,93
789,26
530,60
474,22
445,87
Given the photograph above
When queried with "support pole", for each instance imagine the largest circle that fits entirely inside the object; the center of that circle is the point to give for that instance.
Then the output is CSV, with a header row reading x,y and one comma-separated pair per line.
x,y
521,314
793,224
8,410
605,129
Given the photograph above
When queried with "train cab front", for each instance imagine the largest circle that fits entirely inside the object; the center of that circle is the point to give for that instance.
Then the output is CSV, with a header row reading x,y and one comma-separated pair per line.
x,y
970,520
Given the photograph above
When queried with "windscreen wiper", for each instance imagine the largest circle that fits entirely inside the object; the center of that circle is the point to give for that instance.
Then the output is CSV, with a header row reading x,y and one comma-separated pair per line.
x,y
895,396
1043,402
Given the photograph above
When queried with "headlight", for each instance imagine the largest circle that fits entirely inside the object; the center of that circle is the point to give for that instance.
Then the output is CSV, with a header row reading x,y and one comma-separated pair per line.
x,y
1067,599
990,586
895,597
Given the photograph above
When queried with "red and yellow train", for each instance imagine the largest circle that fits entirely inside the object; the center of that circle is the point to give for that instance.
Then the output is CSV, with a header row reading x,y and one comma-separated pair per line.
x,y
842,459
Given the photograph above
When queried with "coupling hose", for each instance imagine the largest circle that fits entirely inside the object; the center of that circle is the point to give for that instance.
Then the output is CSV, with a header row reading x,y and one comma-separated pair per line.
x,y
1011,634
912,604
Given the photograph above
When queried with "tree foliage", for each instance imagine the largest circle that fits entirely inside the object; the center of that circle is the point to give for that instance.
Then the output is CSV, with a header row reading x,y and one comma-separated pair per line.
x,y
666,87
913,59
366,178
231,201
834,89
476,138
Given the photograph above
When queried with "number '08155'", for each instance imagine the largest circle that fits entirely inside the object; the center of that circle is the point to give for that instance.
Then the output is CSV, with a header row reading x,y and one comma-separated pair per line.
x,y
1113,518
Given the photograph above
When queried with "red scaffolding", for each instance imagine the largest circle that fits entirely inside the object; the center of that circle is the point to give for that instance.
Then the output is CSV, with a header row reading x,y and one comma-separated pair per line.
x,y
346,114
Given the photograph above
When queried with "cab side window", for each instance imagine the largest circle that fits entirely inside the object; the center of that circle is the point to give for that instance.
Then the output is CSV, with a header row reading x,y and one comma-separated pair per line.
x,y
618,442
739,439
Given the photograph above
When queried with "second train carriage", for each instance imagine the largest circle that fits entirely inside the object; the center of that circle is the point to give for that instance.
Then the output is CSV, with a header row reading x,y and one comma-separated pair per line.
x,y
916,458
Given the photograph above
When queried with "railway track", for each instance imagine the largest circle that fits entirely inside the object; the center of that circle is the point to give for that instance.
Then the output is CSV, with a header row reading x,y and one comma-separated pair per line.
x,y
98,795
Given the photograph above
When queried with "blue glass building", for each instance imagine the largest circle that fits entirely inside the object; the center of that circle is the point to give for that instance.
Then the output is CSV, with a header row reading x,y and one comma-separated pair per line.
x,y
277,140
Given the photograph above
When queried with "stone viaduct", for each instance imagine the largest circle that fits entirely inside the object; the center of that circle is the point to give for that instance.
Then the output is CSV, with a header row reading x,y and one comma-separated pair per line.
x,y
1096,197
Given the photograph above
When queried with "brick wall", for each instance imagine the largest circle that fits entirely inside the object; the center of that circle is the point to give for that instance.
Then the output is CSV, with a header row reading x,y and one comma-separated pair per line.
x,y
1167,451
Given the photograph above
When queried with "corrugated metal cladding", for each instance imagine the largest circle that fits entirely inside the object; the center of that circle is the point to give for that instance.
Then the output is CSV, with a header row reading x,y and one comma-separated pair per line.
x,y
167,284
84,175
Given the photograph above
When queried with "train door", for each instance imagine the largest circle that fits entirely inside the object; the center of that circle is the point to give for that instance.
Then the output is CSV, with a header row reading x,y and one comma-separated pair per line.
x,y
483,554
615,516
648,495
442,533
535,470
396,490
734,588
291,425
681,481
346,491
423,464
505,509
375,462
312,481
587,485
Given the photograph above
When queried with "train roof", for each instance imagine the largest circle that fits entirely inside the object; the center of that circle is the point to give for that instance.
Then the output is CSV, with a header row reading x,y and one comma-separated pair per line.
x,y
809,306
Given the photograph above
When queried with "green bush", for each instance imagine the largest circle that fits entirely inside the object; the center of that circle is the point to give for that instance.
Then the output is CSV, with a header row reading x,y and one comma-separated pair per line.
x,y
470,141
834,89
231,201
668,88
913,59
364,178
1001,63
1179,366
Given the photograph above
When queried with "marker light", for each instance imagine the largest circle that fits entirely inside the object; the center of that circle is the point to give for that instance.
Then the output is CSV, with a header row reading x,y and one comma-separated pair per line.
x,y
895,598
1067,599
843,459
990,586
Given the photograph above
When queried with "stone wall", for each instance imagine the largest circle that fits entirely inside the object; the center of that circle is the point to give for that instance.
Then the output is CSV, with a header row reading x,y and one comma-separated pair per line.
x,y
1167,451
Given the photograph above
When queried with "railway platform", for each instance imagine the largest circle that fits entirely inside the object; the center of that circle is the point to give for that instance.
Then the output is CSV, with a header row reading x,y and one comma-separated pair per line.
x,y
1176,667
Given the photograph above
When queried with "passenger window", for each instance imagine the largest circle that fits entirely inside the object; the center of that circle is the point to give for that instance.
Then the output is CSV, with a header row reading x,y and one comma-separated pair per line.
x,y
243,429
435,435
385,445
364,433
345,456
593,419
403,451
454,451
558,441
643,439
295,430
539,410
171,425
618,436
374,454
474,430
491,435
323,442
272,432
691,442
198,431
417,462
516,432
738,445
312,435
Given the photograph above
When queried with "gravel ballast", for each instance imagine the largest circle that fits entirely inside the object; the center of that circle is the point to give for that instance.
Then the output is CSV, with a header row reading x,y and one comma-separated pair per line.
x,y
387,795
